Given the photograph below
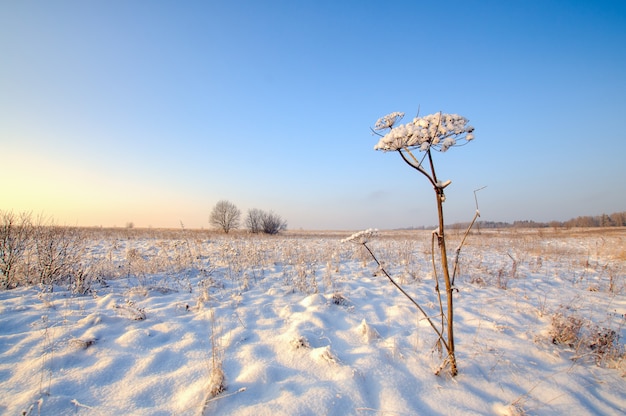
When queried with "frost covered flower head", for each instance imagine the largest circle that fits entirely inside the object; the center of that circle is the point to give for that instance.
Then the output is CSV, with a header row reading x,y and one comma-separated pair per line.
x,y
438,131
388,121
361,237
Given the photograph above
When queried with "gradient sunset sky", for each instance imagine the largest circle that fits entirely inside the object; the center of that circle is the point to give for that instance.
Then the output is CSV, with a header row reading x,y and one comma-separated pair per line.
x,y
151,111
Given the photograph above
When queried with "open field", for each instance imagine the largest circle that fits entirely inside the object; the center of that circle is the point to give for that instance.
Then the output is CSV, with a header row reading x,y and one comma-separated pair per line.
x,y
190,322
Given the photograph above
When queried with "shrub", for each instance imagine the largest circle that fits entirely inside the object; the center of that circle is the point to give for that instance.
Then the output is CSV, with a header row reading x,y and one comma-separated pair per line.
x,y
267,222
273,223
15,237
58,252
588,340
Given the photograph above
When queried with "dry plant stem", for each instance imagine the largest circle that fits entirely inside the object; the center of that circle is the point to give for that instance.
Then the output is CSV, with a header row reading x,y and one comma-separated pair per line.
x,y
417,165
446,278
407,295
436,276
432,178
458,250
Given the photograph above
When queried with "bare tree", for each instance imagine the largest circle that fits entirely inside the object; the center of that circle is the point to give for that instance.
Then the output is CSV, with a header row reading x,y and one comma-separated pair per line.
x,y
254,220
619,219
273,223
225,215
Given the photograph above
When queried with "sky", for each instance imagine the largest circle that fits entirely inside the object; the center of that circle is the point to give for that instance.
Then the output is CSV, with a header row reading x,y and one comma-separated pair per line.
x,y
150,112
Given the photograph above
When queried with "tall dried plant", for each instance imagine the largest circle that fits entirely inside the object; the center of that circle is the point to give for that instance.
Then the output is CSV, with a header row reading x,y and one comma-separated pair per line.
x,y
435,132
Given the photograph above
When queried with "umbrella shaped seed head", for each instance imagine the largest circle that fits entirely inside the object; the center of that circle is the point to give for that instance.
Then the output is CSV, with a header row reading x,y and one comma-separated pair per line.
x,y
438,131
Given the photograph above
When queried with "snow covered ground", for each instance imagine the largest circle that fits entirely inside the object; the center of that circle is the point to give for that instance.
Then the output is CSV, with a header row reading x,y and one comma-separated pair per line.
x,y
300,324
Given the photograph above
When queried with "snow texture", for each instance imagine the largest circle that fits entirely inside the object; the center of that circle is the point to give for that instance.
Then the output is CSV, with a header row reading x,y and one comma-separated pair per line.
x,y
344,343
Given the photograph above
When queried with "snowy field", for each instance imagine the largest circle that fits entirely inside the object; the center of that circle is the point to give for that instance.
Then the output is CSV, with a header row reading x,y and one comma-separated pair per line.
x,y
302,324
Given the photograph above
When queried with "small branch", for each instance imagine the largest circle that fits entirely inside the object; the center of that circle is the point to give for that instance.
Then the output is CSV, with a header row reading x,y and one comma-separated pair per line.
x,y
210,399
78,404
376,133
475,197
418,164
417,167
432,255
408,296
458,250
432,169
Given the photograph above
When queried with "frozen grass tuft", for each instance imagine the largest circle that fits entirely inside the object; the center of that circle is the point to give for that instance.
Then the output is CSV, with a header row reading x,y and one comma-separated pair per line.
x,y
566,330
217,381
589,340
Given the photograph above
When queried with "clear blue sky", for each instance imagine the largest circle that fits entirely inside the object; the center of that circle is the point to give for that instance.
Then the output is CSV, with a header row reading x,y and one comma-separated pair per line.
x,y
152,111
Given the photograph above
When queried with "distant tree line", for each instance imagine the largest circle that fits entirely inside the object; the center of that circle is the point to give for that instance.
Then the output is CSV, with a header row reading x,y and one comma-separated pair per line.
x,y
617,219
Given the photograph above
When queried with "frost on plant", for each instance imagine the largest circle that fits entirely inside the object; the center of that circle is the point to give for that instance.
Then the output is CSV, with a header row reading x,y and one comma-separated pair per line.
x,y
438,131
361,237
388,121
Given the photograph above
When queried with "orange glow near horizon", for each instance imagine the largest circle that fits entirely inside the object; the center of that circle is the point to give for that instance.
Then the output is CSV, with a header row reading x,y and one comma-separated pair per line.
x,y
74,197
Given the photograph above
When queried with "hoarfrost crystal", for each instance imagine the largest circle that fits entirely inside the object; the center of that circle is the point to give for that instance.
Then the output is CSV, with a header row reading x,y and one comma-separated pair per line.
x,y
388,121
361,237
439,131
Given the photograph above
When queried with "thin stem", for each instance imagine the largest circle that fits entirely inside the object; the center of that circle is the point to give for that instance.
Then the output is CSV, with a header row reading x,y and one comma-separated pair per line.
x,y
458,250
432,168
432,255
376,133
445,268
446,277
419,164
417,167
408,296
